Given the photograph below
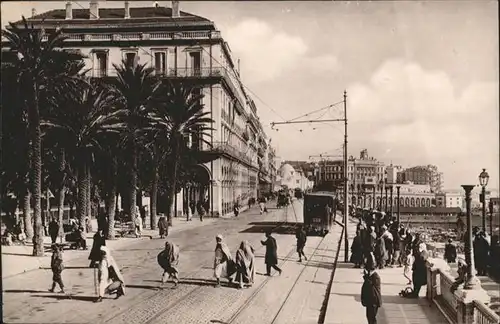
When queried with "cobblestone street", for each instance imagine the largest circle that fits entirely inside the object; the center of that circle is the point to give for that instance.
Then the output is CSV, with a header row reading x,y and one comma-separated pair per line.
x,y
294,297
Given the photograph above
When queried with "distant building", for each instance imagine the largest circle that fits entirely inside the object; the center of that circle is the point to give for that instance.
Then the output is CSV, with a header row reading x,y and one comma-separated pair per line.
x,y
392,172
292,179
428,175
450,200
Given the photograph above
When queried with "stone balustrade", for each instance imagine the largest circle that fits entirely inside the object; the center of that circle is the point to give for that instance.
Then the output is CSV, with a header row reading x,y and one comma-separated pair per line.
x,y
461,306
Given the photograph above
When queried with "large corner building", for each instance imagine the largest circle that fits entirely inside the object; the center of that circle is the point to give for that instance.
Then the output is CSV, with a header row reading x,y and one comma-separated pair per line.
x,y
238,161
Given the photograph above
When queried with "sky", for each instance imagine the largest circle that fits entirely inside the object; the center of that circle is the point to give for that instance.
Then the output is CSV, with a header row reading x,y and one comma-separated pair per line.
x,y
421,78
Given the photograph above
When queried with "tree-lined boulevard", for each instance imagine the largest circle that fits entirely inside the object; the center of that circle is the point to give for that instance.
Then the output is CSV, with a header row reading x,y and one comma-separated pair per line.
x,y
86,139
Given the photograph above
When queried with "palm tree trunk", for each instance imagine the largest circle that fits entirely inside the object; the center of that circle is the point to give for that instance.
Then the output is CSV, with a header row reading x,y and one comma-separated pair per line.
x,y
81,208
60,210
28,220
36,173
89,194
62,193
111,202
133,184
173,188
153,198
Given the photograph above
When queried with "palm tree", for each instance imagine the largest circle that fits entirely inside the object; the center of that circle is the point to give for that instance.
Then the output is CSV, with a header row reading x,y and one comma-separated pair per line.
x,y
15,140
37,67
155,153
179,112
91,116
137,86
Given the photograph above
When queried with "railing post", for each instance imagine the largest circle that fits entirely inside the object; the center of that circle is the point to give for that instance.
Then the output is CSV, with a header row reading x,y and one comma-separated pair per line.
x,y
435,266
465,304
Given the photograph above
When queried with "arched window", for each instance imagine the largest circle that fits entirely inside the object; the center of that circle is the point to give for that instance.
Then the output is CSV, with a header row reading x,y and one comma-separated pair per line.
x,y
412,202
401,202
418,202
369,201
395,201
353,200
407,202
428,202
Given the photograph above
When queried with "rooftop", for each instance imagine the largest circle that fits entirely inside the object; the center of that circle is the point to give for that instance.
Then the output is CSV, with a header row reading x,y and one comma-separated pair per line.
x,y
115,17
117,13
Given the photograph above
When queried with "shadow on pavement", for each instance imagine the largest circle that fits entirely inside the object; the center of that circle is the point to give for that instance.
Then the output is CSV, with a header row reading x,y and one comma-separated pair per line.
x,y
218,322
68,268
287,229
318,264
390,299
66,297
343,265
24,291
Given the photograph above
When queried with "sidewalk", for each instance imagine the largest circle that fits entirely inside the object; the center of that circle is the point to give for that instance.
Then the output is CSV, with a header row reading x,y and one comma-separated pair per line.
x,y
344,305
18,258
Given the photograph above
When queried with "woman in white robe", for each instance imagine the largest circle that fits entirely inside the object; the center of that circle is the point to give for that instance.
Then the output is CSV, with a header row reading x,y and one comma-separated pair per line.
x,y
110,278
224,266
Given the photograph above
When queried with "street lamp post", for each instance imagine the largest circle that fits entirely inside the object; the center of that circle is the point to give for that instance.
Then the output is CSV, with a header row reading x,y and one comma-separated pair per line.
x,y
385,200
472,282
374,197
391,190
491,217
381,194
397,190
483,181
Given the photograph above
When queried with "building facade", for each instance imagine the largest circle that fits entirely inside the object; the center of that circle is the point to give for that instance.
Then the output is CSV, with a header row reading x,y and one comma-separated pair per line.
x,y
425,175
450,199
291,178
184,46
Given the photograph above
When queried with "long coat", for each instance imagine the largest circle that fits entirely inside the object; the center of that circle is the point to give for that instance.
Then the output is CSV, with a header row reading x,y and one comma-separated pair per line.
x,y
419,275
95,252
371,291
271,251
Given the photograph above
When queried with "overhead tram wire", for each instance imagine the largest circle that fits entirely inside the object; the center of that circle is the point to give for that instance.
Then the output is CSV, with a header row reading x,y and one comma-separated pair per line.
x,y
317,110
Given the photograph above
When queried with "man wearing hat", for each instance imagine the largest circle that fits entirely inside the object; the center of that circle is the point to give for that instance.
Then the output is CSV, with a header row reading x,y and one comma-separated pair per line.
x,y
450,252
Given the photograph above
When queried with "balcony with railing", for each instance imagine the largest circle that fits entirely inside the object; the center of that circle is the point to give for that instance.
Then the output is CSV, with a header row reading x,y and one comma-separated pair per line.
x,y
226,148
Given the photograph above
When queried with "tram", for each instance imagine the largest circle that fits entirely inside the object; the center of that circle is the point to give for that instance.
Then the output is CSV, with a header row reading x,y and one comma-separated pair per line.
x,y
319,211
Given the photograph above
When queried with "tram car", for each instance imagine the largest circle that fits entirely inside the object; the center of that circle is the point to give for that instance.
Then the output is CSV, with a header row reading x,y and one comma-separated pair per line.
x,y
319,209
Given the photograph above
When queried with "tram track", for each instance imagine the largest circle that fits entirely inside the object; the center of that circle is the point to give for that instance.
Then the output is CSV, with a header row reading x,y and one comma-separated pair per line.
x,y
119,316
279,312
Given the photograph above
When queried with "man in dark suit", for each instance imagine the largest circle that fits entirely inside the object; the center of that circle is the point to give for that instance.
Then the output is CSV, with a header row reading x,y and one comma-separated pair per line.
x,y
371,296
271,254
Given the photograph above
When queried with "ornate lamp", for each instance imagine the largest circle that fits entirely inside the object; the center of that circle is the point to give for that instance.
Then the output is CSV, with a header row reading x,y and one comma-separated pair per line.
x,y
483,181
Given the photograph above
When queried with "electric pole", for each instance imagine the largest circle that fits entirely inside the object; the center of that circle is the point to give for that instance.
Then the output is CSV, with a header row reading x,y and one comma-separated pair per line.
x,y
346,180
346,207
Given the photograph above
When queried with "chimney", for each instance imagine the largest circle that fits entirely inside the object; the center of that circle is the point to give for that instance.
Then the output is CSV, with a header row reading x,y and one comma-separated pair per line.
x,y
175,9
33,12
127,10
94,9
69,10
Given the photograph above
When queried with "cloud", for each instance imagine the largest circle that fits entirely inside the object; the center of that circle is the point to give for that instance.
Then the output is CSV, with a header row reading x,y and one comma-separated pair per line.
x,y
267,54
416,116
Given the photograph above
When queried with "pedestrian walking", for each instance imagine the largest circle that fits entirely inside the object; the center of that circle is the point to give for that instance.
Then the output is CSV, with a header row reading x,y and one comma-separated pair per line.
x,y
301,237
271,257
224,266
450,252
419,275
53,230
201,210
88,225
236,209
110,278
408,265
57,267
357,251
138,225
245,265
168,259
95,252
163,226
371,295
